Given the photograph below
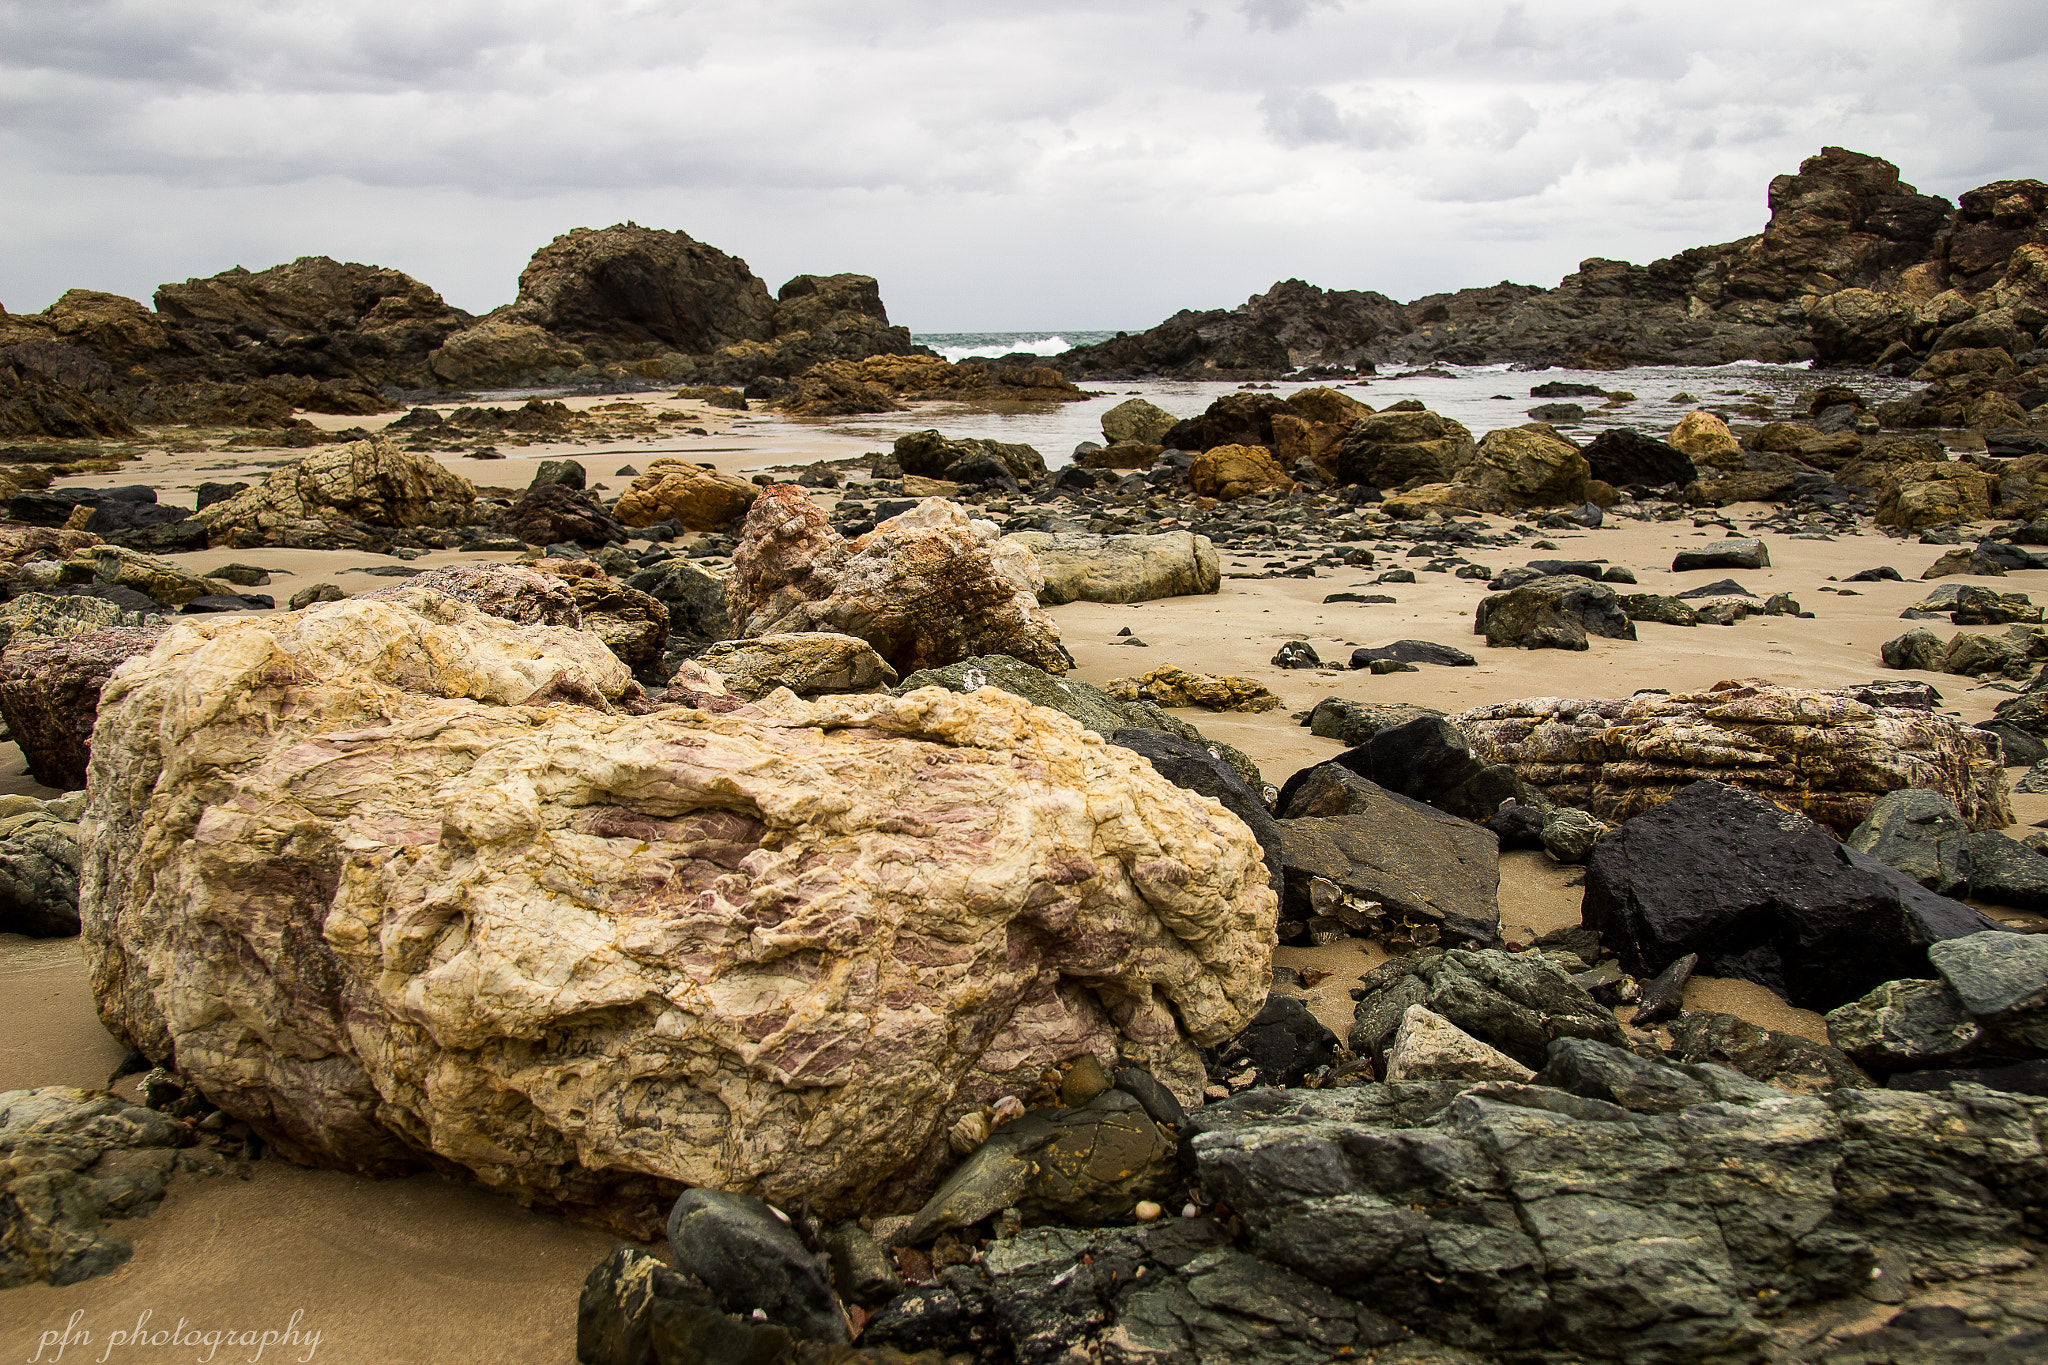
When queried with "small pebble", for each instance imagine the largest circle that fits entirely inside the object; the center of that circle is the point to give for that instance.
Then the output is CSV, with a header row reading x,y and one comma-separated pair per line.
x,y
1147,1211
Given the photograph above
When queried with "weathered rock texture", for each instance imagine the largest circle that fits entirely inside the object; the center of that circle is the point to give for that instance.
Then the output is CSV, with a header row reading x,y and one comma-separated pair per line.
x,y
699,499
373,481
807,664
50,694
927,588
68,1159
1080,567
1642,1212
1829,754
394,880
39,865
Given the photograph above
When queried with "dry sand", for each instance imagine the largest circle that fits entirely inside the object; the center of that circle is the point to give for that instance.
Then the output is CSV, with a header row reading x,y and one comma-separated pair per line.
x,y
426,1268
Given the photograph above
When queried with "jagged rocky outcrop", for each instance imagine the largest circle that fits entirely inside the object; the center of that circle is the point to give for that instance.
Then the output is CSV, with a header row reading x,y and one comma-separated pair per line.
x,y
1854,266
484,916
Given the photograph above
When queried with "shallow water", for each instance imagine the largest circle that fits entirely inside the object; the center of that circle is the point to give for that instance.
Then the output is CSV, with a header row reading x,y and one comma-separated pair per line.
x,y
1482,397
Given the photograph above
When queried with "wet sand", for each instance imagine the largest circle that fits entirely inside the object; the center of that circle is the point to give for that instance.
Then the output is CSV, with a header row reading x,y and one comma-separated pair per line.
x,y
427,1268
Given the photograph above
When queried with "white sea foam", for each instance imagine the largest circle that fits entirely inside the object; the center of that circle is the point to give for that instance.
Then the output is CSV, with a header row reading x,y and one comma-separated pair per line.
x,y
1051,344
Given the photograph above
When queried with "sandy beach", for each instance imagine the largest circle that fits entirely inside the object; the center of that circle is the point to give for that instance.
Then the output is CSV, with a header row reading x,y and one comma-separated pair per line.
x,y
430,1268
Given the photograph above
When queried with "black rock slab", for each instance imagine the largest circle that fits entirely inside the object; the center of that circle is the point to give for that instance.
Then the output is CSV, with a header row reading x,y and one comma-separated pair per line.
x,y
1763,894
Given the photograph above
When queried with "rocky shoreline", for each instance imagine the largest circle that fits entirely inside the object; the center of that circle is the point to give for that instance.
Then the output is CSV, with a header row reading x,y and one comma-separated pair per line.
x,y
771,870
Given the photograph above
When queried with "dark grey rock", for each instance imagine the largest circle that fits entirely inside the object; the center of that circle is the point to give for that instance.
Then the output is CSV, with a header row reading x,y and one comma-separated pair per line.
x,y
567,473
2018,746
1413,652
1387,864
39,876
1922,834
1286,1045
1666,611
2005,871
1297,654
1720,587
1519,1218
862,1271
1083,1166
1744,552
1569,834
1156,1100
1519,824
217,602
2024,1078
1785,1060
1664,994
1352,723
1599,1071
1623,457
1996,976
1552,613
1517,1002
69,1160
1919,648
1908,1025
694,596
750,1258
1617,573
1763,894
635,1310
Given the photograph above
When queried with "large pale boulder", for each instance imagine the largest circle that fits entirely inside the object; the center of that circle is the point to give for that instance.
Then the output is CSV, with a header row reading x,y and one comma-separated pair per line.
x,y
808,665
396,881
1081,567
1831,755
927,588
701,499
373,481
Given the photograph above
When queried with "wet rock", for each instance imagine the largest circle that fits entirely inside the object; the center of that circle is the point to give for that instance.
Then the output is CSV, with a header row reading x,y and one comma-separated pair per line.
x,y
1784,1060
1552,613
637,844
1832,754
1086,1166
70,1159
1427,759
1080,567
1760,893
928,588
753,1260
1746,553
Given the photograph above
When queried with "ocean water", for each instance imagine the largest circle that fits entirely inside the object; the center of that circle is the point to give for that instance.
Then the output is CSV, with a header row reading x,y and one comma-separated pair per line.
x,y
1482,397
961,345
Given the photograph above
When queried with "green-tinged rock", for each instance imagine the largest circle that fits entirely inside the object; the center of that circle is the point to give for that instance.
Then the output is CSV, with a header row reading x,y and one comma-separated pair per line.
x,y
1922,834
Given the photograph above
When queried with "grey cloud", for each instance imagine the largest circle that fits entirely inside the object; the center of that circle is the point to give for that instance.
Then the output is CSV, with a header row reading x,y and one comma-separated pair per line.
x,y
1119,160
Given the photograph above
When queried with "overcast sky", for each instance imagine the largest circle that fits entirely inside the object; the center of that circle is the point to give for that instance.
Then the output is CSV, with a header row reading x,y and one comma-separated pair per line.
x,y
1013,165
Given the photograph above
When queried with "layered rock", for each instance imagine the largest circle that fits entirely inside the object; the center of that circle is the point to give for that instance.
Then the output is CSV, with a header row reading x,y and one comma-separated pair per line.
x,y
927,588
876,384
445,900
1828,754
809,665
39,868
1081,567
368,481
1290,326
637,285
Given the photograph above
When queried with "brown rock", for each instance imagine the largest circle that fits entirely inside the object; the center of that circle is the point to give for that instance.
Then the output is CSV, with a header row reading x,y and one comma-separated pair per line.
x,y
1170,686
927,588
1230,472
702,499
50,695
1528,467
632,624
634,285
498,351
809,664
555,514
1707,440
371,481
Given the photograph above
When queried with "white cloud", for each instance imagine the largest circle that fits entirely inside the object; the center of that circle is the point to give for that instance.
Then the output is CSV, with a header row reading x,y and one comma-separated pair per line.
x,y
1065,164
